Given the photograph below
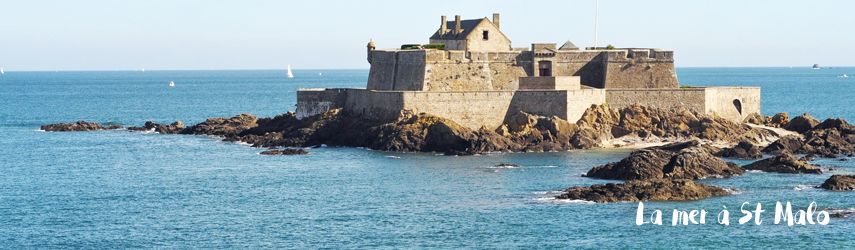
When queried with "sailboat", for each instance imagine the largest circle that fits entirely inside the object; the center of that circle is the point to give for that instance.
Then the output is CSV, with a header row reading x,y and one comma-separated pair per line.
x,y
171,83
290,74
143,70
2,72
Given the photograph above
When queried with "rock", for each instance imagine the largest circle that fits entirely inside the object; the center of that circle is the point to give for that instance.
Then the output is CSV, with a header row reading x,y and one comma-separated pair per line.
x,y
742,150
174,128
755,118
802,123
506,165
784,163
839,183
643,190
77,126
286,151
789,143
779,120
223,126
840,213
688,160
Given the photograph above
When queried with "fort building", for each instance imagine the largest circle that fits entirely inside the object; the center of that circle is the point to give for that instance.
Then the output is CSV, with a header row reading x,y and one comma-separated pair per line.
x,y
470,73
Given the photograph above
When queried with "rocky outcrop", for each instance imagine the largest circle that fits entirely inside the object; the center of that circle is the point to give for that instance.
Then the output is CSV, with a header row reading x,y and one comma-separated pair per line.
x,y
742,150
830,138
689,160
643,190
839,183
802,123
286,151
174,128
784,163
779,120
223,126
77,126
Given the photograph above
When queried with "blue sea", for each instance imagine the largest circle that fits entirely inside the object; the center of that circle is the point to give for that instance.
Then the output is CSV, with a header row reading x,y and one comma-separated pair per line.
x,y
117,189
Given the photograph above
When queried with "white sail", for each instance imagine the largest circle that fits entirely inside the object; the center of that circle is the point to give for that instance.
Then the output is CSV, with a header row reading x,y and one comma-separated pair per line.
x,y
290,74
2,72
171,83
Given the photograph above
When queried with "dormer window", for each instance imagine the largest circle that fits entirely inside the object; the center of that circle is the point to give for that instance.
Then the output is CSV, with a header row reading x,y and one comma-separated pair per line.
x,y
485,35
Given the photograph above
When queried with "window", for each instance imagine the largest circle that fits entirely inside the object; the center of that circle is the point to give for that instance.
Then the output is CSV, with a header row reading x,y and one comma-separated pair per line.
x,y
485,35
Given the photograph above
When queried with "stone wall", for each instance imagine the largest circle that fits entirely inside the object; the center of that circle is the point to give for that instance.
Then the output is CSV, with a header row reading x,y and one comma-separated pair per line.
x,y
732,103
316,101
640,68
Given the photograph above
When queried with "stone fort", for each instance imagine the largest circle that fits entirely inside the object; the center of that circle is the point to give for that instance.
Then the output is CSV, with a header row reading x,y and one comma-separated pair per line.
x,y
470,73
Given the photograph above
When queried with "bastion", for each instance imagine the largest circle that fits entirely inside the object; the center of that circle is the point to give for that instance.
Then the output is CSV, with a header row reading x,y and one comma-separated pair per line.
x,y
470,73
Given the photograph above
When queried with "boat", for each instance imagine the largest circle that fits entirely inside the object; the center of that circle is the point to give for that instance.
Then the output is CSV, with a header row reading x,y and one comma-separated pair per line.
x,y
143,70
290,74
2,72
171,83
815,66
844,76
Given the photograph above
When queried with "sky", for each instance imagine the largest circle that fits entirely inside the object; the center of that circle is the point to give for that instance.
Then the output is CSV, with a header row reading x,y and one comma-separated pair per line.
x,y
327,34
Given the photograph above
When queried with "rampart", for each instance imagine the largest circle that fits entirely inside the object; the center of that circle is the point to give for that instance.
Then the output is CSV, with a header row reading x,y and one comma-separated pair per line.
x,y
733,103
457,70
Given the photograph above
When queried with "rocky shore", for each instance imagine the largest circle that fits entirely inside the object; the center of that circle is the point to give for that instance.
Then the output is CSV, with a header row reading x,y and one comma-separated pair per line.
x,y
664,172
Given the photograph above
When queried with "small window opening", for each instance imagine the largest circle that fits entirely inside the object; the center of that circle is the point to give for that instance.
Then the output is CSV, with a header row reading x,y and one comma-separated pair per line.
x,y
486,35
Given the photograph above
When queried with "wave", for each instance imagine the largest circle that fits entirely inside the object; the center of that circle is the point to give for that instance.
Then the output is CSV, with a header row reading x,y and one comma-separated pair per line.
x,y
553,200
803,187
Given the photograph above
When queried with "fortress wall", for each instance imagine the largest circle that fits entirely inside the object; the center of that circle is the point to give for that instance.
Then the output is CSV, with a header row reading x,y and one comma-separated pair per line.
x,y
723,101
469,109
491,108
410,72
580,100
453,71
316,101
691,98
628,68
383,66
374,105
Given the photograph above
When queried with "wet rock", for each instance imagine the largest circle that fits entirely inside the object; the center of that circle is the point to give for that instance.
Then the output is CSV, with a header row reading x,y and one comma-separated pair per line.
x,y
839,183
174,128
789,143
801,123
784,163
742,150
223,126
286,151
840,213
643,190
77,126
506,165
688,160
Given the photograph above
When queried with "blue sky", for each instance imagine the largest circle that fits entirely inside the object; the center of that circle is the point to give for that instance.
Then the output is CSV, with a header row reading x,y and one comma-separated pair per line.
x,y
184,34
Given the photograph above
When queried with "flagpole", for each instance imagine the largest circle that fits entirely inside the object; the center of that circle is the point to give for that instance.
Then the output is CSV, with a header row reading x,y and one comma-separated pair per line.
x,y
596,17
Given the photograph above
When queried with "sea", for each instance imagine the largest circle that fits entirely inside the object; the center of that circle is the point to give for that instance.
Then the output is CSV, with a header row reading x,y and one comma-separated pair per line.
x,y
119,189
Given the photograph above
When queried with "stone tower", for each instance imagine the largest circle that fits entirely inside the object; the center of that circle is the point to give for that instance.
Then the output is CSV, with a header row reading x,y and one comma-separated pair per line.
x,y
371,46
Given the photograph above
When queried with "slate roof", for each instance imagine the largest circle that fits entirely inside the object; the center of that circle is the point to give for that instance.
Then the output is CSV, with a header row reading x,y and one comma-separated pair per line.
x,y
467,25
568,46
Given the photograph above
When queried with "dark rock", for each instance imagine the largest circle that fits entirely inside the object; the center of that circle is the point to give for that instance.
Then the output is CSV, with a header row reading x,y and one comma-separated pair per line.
x,y
840,213
779,120
688,160
839,183
790,143
784,163
174,128
287,151
643,190
223,126
742,150
802,123
507,165
77,126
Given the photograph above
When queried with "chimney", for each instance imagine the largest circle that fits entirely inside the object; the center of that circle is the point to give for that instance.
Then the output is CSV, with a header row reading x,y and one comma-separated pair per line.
x,y
443,27
457,28
496,20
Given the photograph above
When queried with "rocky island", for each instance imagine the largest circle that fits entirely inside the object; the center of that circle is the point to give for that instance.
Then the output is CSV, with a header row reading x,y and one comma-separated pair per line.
x,y
468,91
